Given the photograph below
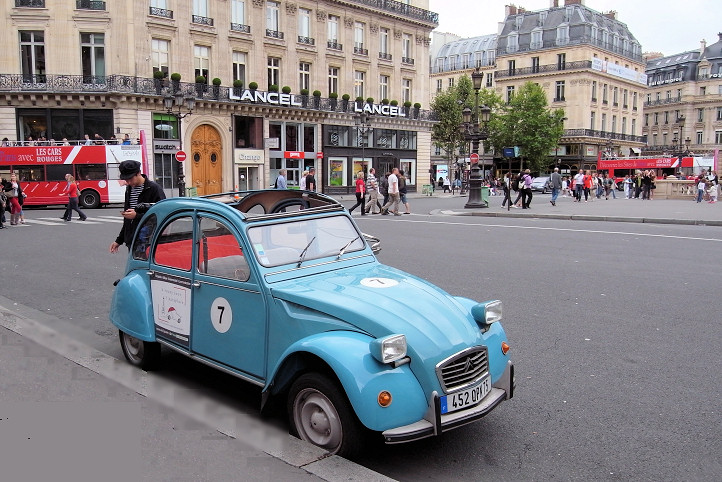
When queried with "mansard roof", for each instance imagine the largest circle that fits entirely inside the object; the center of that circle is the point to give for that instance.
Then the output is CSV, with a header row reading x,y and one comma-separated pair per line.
x,y
468,46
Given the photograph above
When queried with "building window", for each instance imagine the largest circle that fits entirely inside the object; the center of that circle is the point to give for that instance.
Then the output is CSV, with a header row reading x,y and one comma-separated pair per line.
x,y
605,91
406,53
512,67
274,71
702,90
201,61
718,137
451,82
238,12
634,127
646,120
358,38
536,39
489,78
669,95
699,137
439,85
561,61
92,46
559,91
624,125
615,97
535,64
200,8
614,123
359,78
594,90
563,35
332,28
625,98
700,115
666,117
656,118
32,56
509,93
273,17
512,43
406,90
604,122
304,26
719,113
383,86
384,41
333,79
634,101
159,53
239,66
592,120
304,75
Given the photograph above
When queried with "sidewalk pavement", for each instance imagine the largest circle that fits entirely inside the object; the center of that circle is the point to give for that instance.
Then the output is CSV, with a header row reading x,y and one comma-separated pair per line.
x,y
71,412
657,211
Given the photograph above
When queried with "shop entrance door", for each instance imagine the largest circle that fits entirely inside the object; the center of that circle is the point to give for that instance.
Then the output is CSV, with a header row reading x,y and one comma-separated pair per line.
x,y
248,178
207,156
386,164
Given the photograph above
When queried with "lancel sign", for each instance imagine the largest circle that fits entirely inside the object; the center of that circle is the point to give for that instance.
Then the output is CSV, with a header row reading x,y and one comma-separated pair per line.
x,y
293,100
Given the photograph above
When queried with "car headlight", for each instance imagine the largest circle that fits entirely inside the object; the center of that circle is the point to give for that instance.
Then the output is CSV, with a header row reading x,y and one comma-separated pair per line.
x,y
389,349
487,313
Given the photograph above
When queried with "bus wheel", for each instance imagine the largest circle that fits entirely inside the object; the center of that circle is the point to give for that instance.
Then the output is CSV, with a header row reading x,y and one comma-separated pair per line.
x,y
89,199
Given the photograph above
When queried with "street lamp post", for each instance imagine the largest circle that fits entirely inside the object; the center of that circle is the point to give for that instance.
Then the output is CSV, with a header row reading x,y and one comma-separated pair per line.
x,y
179,101
363,125
473,134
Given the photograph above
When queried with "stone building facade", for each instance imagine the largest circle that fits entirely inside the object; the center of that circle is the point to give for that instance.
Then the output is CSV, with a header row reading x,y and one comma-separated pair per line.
x,y
75,67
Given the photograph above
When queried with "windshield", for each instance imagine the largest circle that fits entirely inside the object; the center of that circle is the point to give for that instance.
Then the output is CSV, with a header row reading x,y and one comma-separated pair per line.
x,y
302,240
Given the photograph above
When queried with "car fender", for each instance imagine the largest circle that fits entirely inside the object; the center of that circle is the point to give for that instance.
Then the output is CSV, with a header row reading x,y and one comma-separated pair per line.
x,y
131,309
363,378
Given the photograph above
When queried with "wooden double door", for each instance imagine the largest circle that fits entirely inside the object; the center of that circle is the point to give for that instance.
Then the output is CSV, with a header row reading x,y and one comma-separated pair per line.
x,y
207,160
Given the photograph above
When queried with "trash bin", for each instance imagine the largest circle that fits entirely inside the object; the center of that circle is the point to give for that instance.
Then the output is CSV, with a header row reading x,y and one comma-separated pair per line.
x,y
485,195
427,189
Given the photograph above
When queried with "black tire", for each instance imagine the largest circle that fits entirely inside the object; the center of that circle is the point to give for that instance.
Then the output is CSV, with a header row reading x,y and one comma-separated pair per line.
x,y
89,199
143,354
319,413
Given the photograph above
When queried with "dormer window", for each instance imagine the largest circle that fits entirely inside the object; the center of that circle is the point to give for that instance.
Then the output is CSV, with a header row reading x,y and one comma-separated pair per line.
x,y
519,21
512,43
542,18
568,11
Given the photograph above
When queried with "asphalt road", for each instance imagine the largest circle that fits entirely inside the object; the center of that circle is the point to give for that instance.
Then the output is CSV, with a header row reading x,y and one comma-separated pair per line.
x,y
614,332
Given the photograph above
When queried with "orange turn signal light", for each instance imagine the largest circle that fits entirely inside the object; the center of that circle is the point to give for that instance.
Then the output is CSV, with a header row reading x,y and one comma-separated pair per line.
x,y
505,347
384,398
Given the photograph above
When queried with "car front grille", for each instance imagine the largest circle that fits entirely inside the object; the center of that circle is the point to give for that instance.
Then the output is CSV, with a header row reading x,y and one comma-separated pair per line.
x,y
463,369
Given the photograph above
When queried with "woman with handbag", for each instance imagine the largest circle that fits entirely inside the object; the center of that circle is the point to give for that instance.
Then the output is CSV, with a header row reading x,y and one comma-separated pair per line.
x,y
72,191
13,191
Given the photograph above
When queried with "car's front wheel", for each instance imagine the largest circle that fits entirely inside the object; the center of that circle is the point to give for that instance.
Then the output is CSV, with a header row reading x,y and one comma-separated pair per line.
x,y
143,354
320,413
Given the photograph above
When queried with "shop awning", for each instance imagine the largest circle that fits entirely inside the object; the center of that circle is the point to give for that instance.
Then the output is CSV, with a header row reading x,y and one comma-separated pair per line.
x,y
636,150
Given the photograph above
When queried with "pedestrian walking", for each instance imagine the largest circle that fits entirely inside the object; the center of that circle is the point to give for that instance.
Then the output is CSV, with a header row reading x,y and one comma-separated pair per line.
x,y
555,180
525,189
507,190
71,190
360,193
394,195
281,182
372,188
402,192
13,191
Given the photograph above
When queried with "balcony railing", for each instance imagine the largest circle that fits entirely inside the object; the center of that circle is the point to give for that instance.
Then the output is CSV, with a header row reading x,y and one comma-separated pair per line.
x,y
672,100
239,27
385,56
123,85
161,12
274,34
360,51
584,40
602,135
89,5
400,8
407,60
334,45
576,65
306,40
202,20
30,3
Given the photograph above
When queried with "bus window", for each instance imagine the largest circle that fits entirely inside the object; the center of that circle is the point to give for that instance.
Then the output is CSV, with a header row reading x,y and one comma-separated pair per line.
x,y
30,173
90,172
58,172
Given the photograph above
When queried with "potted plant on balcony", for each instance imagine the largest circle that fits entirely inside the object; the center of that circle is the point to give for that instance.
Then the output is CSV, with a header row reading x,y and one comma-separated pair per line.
x,y
216,87
394,103
175,79
273,88
253,85
286,89
407,107
333,96
417,108
316,99
359,102
158,81
304,97
344,101
370,100
201,85
237,87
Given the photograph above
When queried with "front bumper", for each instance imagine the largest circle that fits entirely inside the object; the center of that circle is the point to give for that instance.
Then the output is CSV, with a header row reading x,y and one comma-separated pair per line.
x,y
435,423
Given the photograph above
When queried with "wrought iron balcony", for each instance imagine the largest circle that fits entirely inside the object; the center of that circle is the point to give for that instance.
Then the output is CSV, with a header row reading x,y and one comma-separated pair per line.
x,y
89,5
239,27
360,51
161,12
401,9
30,3
306,40
385,56
602,135
576,65
202,20
334,45
274,34
407,60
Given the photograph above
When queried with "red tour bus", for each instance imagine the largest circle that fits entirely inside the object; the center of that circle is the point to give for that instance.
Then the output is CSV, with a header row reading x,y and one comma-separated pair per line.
x,y
41,172
618,168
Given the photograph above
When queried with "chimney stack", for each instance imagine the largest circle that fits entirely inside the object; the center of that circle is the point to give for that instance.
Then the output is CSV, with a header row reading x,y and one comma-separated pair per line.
x,y
553,3
702,46
511,10
573,2
611,14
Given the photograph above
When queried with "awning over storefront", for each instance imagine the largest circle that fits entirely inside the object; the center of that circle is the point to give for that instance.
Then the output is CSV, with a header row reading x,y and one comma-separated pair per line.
x,y
636,150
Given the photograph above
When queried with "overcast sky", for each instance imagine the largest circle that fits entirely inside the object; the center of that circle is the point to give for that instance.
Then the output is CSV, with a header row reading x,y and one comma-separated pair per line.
x,y
667,26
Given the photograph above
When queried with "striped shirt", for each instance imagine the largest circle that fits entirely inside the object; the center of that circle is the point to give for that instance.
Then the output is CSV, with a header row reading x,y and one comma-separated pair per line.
x,y
134,193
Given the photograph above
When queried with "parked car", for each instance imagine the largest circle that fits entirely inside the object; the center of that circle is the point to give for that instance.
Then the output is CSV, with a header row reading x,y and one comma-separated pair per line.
x,y
282,289
541,184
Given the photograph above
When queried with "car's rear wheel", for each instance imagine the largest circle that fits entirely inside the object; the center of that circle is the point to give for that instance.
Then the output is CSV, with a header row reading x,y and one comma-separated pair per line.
x,y
320,413
143,354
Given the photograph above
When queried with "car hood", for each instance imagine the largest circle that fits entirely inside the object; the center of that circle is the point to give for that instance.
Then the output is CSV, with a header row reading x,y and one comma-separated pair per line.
x,y
381,300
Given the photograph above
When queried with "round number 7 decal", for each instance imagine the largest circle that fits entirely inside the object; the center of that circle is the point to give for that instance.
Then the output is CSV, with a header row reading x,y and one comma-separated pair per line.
x,y
221,315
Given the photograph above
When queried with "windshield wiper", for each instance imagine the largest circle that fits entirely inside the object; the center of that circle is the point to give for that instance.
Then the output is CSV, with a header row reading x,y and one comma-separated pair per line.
x,y
303,253
343,250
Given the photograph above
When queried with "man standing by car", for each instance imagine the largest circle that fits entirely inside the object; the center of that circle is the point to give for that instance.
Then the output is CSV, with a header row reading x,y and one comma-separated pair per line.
x,y
311,180
555,181
139,194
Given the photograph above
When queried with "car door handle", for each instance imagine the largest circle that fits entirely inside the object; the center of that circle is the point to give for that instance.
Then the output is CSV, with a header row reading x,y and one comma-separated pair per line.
x,y
196,284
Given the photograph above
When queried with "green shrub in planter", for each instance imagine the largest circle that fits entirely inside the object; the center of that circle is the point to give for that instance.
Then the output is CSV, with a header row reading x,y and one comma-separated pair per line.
x,y
370,100
359,99
345,97
394,102
175,77
238,83
317,93
159,75
385,101
286,89
216,81
407,104
200,80
273,88
253,85
333,95
417,106
304,91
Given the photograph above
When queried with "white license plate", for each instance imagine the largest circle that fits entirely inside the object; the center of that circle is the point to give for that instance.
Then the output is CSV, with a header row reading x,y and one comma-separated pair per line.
x,y
467,398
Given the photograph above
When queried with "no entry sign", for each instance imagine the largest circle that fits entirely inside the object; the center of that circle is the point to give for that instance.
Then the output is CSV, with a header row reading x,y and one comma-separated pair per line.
x,y
474,157
180,156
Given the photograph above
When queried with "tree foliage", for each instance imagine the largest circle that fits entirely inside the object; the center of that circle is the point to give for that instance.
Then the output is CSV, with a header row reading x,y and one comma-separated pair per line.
x,y
527,122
